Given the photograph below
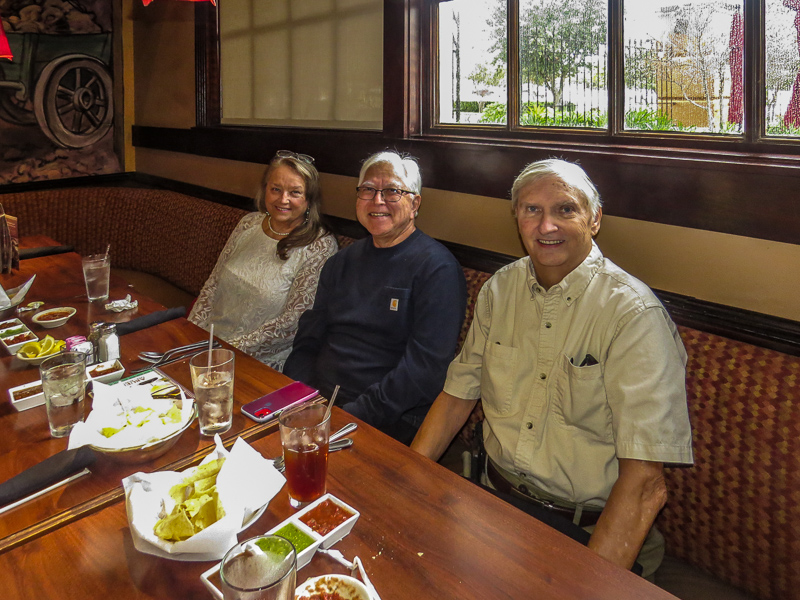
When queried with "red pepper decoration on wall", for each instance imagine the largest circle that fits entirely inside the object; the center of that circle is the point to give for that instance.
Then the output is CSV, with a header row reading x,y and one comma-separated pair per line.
x,y
5,49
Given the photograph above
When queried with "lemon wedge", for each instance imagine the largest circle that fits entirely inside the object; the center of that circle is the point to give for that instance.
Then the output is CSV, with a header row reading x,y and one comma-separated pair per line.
x,y
30,350
47,346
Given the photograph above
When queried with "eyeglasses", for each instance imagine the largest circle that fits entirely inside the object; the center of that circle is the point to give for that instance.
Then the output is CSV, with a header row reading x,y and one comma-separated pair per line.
x,y
301,157
366,192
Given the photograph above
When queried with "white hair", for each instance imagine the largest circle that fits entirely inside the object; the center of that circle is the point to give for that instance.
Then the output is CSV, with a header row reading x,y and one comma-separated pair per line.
x,y
570,174
404,167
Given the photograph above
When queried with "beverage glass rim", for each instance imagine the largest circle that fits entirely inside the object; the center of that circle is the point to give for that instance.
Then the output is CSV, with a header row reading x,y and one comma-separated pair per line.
x,y
240,546
200,361
60,359
104,258
286,414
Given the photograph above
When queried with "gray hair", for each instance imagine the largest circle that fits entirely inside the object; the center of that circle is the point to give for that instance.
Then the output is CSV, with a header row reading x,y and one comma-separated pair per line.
x,y
405,168
570,174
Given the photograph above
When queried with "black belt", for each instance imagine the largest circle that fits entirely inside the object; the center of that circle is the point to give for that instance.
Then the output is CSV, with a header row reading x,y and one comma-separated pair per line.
x,y
588,517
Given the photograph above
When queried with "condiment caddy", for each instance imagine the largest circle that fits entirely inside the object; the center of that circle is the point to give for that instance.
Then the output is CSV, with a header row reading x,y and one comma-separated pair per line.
x,y
324,522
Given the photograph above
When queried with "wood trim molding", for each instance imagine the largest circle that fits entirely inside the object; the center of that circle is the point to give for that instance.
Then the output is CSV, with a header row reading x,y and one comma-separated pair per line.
x,y
751,196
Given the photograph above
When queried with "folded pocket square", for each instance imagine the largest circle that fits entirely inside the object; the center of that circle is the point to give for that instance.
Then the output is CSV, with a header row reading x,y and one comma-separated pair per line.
x,y
49,471
156,318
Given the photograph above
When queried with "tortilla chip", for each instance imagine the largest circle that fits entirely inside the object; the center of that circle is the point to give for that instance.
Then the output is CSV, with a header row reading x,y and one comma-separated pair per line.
x,y
176,527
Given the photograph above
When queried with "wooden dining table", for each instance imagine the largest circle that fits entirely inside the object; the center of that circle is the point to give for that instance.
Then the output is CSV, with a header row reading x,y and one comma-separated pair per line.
x,y
423,531
24,435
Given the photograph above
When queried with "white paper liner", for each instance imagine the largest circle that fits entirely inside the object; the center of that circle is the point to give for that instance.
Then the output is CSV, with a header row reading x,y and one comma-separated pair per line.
x,y
108,410
246,482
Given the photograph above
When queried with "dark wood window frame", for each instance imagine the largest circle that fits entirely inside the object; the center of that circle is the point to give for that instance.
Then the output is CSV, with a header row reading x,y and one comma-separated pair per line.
x,y
749,188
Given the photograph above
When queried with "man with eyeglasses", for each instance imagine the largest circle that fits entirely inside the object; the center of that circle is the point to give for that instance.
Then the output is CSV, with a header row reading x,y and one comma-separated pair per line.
x,y
388,309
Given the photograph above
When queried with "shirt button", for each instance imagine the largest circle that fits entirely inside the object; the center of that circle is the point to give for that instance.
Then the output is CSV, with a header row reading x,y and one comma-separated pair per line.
x,y
529,425
542,376
548,324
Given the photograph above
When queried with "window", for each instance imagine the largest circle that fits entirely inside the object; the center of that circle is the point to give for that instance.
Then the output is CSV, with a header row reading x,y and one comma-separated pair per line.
x,y
314,63
550,64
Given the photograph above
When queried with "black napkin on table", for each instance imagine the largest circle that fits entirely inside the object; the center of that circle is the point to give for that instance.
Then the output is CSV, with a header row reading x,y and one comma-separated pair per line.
x,y
43,251
156,318
51,470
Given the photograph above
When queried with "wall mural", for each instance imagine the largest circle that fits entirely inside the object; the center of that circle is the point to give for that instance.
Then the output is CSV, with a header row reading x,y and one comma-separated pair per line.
x,y
56,95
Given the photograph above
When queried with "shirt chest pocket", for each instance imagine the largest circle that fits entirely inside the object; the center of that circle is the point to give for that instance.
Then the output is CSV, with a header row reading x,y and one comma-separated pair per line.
x,y
580,399
394,306
497,378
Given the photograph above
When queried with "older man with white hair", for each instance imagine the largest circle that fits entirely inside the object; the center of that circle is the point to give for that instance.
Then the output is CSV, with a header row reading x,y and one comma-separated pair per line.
x,y
581,373
388,309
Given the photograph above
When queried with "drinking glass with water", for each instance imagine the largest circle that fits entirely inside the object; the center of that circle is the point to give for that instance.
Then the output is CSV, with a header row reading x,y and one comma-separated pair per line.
x,y
213,390
64,386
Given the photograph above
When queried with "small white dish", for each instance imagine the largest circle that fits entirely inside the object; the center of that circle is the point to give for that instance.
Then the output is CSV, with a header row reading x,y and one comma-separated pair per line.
x,y
10,323
304,557
13,347
347,588
22,398
107,372
54,317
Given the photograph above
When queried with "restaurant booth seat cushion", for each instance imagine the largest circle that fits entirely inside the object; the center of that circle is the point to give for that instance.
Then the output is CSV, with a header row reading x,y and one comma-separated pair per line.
x,y
165,234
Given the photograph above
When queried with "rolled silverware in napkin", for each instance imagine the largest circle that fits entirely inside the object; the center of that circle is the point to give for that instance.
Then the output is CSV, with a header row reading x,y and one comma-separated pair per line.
x,y
26,253
156,318
49,471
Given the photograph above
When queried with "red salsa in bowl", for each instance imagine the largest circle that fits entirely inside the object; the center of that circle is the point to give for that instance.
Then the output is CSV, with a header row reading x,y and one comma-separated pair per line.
x,y
325,517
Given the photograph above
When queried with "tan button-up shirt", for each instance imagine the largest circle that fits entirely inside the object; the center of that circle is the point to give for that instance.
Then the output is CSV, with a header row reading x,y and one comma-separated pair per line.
x,y
574,377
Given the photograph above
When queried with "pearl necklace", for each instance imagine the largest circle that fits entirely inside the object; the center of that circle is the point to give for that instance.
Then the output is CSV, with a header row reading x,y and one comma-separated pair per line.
x,y
269,224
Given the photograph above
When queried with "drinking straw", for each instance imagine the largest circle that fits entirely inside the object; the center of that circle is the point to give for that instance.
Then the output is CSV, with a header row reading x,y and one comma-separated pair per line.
x,y
330,403
108,249
210,346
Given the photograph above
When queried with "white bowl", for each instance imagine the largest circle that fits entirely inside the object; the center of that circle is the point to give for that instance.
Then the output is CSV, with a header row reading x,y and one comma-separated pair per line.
x,y
36,361
341,530
348,588
41,317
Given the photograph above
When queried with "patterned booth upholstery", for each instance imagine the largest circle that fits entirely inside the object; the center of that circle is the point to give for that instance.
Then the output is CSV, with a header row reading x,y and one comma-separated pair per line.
x,y
163,233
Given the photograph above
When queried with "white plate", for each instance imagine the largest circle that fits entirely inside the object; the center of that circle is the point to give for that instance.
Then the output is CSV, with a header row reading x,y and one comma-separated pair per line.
x,y
36,361
349,588
38,317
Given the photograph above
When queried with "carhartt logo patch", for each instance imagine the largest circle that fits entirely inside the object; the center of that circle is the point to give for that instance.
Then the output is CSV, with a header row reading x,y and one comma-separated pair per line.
x,y
394,304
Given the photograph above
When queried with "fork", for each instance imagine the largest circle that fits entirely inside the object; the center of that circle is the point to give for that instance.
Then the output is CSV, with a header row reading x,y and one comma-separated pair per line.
x,y
279,463
173,358
154,357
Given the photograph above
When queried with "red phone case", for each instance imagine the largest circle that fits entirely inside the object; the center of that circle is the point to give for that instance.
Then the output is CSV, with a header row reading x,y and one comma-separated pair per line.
x,y
270,405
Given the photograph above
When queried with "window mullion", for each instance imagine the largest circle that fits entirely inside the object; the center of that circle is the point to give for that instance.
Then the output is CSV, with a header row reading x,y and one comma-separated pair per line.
x,y
616,68
513,81
754,70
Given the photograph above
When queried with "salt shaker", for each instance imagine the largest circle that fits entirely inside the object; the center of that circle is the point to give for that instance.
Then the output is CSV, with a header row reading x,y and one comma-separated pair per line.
x,y
108,344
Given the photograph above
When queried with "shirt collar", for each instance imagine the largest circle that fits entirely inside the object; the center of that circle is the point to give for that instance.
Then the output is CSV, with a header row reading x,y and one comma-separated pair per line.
x,y
574,284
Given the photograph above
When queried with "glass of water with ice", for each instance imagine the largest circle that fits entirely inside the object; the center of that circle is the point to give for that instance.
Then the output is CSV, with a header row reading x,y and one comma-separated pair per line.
x,y
213,390
96,272
64,386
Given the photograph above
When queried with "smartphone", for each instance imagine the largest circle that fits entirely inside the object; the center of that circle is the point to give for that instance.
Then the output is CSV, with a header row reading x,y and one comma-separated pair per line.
x,y
268,407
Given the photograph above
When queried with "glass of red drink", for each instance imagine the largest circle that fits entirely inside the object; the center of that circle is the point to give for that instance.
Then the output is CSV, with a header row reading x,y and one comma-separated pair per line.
x,y
304,436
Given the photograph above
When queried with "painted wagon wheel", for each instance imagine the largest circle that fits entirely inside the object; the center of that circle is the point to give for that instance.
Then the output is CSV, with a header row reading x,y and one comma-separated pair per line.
x,y
74,102
14,110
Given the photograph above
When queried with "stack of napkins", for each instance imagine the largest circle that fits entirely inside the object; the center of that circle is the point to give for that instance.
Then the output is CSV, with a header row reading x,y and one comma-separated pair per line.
x,y
246,482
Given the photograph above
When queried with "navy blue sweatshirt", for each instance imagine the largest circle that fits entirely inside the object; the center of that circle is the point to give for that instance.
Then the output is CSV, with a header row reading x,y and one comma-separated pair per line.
x,y
384,327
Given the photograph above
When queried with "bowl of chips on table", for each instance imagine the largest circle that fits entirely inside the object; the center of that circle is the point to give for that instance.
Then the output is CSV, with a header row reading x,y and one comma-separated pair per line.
x,y
196,515
134,424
